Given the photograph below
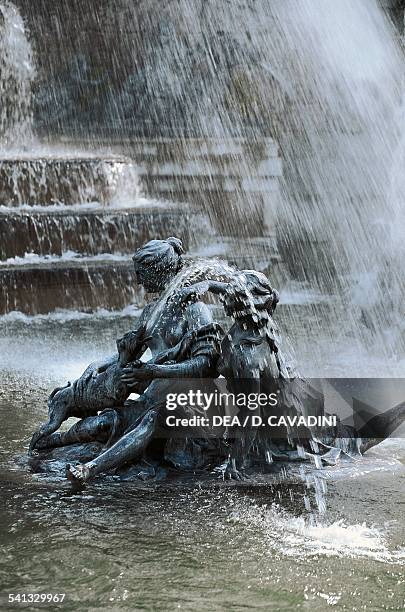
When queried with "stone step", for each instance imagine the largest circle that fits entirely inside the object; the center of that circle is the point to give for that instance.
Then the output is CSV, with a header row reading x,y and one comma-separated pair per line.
x,y
84,285
234,181
193,186
90,231
67,180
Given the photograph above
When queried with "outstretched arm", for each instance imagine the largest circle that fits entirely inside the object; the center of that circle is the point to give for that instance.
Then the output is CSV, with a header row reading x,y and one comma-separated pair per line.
x,y
195,292
196,367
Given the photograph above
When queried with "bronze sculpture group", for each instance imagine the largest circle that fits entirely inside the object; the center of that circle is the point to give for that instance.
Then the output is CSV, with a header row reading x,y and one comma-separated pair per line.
x,y
188,348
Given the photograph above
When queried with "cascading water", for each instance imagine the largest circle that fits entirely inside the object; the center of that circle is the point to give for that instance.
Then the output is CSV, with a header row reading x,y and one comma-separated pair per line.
x,y
31,173
66,179
17,73
324,79
336,71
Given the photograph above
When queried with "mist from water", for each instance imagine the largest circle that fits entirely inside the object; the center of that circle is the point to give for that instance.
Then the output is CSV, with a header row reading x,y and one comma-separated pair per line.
x,y
337,121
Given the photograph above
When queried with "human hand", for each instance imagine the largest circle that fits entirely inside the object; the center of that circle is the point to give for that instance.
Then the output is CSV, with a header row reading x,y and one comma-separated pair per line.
x,y
194,292
136,372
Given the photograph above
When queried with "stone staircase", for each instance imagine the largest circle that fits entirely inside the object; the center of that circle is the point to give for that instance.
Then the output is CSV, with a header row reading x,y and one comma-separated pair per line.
x,y
86,230
65,245
69,225
234,181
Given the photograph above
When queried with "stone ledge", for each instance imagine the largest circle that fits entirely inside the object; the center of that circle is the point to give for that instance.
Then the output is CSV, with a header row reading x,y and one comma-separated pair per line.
x,y
76,180
89,231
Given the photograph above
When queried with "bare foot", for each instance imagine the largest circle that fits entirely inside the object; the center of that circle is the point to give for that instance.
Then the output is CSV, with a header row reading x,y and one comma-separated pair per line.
x,y
78,474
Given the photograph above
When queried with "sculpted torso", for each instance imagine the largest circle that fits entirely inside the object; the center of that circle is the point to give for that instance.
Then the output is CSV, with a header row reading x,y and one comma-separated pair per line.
x,y
173,323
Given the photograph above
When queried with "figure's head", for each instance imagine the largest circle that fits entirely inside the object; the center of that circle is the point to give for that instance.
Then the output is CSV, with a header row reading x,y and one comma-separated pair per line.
x,y
157,262
59,410
60,400
250,296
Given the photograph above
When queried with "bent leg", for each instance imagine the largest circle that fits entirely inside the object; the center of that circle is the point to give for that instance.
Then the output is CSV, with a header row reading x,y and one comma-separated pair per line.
x,y
133,443
128,448
90,429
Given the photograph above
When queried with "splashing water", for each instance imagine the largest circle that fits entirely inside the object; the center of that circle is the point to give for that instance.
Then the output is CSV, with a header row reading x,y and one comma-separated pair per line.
x,y
299,537
17,73
198,270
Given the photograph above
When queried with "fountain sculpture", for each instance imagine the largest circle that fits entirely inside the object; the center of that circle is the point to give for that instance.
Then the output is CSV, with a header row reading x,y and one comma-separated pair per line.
x,y
188,346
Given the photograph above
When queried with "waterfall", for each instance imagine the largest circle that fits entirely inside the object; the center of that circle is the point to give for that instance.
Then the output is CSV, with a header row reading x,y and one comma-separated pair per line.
x,y
17,73
335,74
73,178
324,79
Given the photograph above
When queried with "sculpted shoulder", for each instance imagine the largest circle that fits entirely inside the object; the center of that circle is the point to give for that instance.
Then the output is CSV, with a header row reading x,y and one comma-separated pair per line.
x,y
197,315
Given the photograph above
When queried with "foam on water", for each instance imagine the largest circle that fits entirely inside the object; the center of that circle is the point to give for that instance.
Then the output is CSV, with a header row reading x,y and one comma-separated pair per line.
x,y
30,259
57,151
57,207
138,202
62,315
344,470
299,537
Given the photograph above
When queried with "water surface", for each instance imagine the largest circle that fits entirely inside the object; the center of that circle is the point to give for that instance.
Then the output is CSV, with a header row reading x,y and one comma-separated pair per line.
x,y
127,546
